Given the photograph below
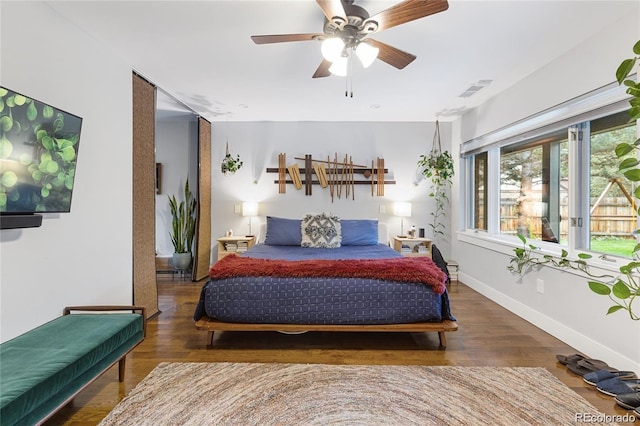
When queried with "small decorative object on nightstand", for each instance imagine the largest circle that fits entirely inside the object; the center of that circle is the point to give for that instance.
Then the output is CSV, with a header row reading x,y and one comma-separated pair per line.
x,y
412,246
228,245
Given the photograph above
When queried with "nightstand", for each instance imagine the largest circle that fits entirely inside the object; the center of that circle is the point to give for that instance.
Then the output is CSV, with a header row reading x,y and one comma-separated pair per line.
x,y
228,245
412,246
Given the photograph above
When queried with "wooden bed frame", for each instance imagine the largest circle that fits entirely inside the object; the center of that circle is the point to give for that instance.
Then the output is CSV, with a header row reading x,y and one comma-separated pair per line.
x,y
211,325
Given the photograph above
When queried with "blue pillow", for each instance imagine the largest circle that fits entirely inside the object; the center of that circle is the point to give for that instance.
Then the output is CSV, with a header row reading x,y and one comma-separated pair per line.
x,y
359,232
283,232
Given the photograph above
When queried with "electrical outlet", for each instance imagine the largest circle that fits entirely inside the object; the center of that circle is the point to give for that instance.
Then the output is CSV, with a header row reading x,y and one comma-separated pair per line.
x,y
237,208
383,209
540,286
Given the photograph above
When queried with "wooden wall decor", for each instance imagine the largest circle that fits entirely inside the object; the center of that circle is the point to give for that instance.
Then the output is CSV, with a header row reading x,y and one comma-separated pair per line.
x,y
339,175
145,292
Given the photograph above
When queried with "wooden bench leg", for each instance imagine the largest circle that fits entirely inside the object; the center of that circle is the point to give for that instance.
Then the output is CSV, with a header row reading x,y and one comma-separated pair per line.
x,y
443,339
210,337
121,365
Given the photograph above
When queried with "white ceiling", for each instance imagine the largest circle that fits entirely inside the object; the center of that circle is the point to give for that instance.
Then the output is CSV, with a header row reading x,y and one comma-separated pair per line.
x,y
200,52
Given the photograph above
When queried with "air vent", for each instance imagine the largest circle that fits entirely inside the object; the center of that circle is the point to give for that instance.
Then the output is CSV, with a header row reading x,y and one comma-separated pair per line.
x,y
475,88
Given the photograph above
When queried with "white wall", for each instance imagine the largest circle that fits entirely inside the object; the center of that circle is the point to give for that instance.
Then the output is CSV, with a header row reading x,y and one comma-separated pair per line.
x,y
83,257
259,143
567,309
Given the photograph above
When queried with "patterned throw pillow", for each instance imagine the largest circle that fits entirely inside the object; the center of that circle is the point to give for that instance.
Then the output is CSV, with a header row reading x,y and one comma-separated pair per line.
x,y
321,231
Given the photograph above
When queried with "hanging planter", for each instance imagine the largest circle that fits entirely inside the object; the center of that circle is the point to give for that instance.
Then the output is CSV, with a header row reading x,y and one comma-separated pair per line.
x,y
438,167
230,165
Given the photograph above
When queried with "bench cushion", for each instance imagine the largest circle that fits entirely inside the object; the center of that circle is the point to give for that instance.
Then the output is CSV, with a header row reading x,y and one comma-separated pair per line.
x,y
41,369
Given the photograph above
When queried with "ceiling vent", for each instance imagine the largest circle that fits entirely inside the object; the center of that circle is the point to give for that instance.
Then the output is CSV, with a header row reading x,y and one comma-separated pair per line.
x,y
475,88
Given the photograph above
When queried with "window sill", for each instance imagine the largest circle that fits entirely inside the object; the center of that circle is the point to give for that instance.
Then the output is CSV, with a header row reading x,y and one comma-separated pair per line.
x,y
505,244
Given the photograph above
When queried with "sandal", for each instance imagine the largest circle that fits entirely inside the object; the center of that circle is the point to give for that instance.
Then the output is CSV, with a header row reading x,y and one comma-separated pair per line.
x,y
588,365
617,386
570,359
596,377
630,401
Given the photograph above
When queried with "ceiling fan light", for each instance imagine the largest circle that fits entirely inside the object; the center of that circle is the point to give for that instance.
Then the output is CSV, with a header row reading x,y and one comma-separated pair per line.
x,y
339,66
332,48
367,54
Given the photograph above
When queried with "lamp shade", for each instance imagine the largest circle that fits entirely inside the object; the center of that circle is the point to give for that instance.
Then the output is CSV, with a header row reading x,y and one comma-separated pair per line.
x,y
339,66
249,209
367,54
402,209
332,48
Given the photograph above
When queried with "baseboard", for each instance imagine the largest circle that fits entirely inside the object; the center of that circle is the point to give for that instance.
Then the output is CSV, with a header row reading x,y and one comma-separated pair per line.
x,y
558,330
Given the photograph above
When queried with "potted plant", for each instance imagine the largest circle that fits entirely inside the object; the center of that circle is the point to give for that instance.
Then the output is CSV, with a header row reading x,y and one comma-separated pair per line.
x,y
438,167
230,165
183,227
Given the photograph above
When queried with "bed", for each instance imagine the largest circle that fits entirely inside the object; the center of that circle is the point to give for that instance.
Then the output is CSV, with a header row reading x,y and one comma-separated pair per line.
x,y
321,273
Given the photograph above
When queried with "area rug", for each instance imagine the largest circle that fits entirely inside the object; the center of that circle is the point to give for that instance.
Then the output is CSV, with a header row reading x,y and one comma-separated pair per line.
x,y
320,394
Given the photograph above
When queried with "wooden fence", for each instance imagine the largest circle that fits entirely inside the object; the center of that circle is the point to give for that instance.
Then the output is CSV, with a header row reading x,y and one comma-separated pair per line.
x,y
612,217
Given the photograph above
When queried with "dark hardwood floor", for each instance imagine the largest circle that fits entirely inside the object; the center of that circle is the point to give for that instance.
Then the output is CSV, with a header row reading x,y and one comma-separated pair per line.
x,y
488,335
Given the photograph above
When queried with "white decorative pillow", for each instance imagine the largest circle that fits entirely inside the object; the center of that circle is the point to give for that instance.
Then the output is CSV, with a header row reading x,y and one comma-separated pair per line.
x,y
321,231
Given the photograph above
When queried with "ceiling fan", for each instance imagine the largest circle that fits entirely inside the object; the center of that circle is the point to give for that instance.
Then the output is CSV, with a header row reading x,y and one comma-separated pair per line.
x,y
346,30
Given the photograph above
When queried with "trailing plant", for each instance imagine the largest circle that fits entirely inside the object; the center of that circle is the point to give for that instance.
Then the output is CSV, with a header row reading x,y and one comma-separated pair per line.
x,y
623,289
183,221
524,258
438,168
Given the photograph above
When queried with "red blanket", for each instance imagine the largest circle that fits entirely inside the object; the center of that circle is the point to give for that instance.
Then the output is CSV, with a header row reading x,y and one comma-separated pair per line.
x,y
420,270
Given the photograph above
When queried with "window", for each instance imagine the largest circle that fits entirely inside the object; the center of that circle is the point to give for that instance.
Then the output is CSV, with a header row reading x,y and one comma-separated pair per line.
x,y
557,182
480,202
533,188
612,208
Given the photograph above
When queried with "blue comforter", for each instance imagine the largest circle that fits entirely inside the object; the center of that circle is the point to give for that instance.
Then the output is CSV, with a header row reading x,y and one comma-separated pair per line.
x,y
312,300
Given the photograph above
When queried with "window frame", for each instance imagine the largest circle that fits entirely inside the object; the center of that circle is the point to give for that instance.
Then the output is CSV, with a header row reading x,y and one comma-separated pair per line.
x,y
574,116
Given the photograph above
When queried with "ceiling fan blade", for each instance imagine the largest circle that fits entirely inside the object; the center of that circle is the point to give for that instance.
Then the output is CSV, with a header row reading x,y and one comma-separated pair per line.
x,y
392,55
282,38
407,11
323,69
332,8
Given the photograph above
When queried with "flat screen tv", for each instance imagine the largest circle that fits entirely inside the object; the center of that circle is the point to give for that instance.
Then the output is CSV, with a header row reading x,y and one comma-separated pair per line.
x,y
38,153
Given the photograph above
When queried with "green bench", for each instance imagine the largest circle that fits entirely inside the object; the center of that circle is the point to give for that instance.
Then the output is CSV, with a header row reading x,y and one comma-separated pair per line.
x,y
44,368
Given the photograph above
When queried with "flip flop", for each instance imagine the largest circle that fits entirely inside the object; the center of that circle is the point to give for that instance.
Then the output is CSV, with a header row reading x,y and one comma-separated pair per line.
x,y
630,401
637,412
570,359
617,386
596,377
588,365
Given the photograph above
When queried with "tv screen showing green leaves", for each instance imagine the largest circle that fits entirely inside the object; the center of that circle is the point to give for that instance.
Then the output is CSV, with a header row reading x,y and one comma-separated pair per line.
x,y
38,153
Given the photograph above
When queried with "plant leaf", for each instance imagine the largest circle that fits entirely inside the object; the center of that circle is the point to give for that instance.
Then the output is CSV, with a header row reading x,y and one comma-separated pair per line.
x,y
624,69
599,288
623,149
614,308
632,175
620,290
628,162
